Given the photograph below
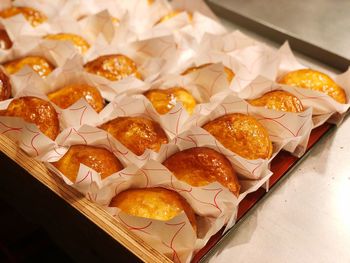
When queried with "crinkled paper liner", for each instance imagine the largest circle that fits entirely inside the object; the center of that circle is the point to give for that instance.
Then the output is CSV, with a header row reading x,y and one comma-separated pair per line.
x,y
160,50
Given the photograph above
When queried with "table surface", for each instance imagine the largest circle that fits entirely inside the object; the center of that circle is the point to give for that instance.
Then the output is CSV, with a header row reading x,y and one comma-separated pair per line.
x,y
320,22
307,217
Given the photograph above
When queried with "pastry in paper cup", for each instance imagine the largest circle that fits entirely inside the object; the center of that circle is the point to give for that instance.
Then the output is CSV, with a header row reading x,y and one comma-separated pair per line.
x,y
33,16
278,100
79,42
201,166
137,133
113,67
68,95
39,64
242,134
154,203
163,100
37,111
229,73
99,159
314,80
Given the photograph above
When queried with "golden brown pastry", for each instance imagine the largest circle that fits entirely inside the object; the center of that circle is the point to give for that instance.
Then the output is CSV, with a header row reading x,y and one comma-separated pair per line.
x,y
137,133
113,67
5,86
314,80
70,94
5,41
37,111
201,166
279,100
38,64
154,203
34,17
173,14
80,43
229,73
242,134
99,159
163,100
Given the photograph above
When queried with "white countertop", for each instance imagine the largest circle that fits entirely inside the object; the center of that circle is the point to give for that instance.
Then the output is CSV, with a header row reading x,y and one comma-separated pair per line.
x,y
307,217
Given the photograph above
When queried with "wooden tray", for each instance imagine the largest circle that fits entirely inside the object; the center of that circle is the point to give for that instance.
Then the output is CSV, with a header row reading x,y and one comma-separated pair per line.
x,y
85,230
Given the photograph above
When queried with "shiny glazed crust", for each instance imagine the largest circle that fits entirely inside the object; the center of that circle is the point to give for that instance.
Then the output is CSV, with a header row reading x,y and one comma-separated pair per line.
x,y
5,86
34,17
99,159
70,94
137,133
113,67
242,134
38,64
80,43
201,166
279,100
37,111
229,73
314,80
154,203
164,100
5,41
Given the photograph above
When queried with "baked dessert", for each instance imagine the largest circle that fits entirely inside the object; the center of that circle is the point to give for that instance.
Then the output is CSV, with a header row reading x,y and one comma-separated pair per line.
x,y
33,16
241,134
278,100
229,73
136,133
5,86
38,64
163,100
113,67
154,203
80,43
70,94
173,14
314,80
99,159
5,41
201,166
37,111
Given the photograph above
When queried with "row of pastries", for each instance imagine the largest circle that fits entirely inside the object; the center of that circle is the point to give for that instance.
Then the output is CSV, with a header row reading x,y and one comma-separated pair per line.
x,y
240,133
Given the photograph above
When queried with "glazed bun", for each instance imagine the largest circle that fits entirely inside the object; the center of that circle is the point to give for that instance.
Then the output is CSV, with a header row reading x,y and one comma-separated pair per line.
x,y
37,111
241,134
99,159
113,67
153,203
79,43
5,41
201,166
279,100
38,64
5,86
137,133
314,80
34,17
229,73
70,94
163,100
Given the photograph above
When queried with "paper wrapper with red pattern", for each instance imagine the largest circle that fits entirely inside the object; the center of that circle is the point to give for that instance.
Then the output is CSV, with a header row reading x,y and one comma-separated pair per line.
x,y
289,131
206,85
213,204
149,56
324,108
